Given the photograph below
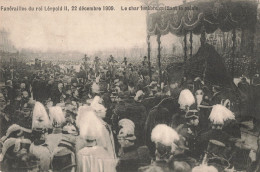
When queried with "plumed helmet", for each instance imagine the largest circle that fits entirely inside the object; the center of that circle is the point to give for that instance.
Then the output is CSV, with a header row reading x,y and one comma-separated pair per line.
x,y
165,135
186,98
56,115
219,114
40,117
125,123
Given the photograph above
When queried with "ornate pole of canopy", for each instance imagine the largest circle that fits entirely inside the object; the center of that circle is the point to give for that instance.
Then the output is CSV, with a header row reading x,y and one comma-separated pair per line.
x,y
185,46
191,44
159,58
149,56
233,51
148,3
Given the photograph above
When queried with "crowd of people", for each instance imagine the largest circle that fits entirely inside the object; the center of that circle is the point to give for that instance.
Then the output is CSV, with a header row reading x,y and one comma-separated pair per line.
x,y
114,117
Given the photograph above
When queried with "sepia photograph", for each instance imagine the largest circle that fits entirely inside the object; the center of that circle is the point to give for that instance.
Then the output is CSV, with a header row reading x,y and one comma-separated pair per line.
x,y
129,86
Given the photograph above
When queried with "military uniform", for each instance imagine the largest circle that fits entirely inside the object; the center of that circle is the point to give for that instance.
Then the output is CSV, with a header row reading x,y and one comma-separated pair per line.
x,y
212,134
131,158
190,134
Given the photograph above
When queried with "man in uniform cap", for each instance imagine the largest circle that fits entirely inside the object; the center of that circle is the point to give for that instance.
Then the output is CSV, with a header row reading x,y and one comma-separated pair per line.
x,y
131,157
189,131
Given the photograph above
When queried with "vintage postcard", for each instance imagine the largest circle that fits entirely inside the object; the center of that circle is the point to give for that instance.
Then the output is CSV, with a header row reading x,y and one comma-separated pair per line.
x,y
129,85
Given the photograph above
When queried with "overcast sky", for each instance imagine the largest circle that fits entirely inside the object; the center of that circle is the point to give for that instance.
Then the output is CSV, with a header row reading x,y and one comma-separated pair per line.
x,y
81,31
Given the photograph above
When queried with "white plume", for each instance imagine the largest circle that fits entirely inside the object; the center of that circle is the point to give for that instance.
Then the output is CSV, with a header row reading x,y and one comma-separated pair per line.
x,y
40,117
90,126
164,134
56,115
81,113
219,114
99,108
186,98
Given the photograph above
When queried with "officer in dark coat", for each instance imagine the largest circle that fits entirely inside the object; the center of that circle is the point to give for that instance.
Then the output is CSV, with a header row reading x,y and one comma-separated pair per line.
x,y
218,117
189,132
166,149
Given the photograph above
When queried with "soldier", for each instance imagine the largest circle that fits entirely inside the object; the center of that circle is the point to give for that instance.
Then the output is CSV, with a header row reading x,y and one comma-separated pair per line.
x,y
186,99
40,125
166,140
131,157
189,131
218,116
